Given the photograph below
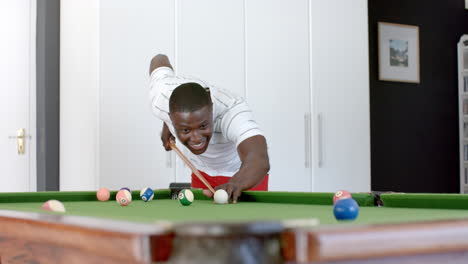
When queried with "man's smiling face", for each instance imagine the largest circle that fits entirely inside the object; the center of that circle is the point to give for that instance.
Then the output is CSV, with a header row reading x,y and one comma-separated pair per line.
x,y
194,129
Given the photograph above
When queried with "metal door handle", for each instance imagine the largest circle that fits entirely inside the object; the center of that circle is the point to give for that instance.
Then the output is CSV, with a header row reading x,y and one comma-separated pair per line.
x,y
320,139
20,140
307,139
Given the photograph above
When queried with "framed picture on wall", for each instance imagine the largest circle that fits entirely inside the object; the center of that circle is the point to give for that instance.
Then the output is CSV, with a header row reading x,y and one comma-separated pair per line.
x,y
398,52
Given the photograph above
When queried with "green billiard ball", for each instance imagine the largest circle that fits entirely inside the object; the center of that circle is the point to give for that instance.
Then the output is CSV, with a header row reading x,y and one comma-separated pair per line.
x,y
186,197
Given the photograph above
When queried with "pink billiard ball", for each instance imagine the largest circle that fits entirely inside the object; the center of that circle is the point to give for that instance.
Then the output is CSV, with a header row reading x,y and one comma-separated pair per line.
x,y
54,206
103,194
123,197
341,194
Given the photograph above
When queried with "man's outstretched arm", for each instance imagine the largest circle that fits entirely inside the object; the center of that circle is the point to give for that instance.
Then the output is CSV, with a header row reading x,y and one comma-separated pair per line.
x,y
255,165
162,60
159,60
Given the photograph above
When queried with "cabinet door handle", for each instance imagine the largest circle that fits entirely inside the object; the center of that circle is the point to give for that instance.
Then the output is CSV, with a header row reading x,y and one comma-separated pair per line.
x,y
320,139
307,140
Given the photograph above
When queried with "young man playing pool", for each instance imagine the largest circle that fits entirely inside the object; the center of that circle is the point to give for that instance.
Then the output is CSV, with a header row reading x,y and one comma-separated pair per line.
x,y
217,127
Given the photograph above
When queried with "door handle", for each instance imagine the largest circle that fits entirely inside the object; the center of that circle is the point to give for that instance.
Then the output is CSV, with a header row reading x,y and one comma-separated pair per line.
x,y
307,139
320,139
20,140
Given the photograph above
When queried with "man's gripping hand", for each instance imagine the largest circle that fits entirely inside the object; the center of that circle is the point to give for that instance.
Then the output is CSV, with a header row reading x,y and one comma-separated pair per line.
x,y
233,190
166,137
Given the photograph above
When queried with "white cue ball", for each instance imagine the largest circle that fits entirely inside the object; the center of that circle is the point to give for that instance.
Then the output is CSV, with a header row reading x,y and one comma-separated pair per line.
x,y
221,197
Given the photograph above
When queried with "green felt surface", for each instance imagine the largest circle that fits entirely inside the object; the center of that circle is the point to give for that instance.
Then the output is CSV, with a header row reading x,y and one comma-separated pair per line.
x,y
254,206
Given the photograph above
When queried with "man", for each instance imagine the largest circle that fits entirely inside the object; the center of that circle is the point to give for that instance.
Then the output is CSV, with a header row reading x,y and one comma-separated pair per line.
x,y
217,127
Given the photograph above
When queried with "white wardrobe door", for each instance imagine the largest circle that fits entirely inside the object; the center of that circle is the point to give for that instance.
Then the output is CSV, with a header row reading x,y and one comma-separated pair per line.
x,y
79,89
210,46
130,149
210,42
277,78
340,81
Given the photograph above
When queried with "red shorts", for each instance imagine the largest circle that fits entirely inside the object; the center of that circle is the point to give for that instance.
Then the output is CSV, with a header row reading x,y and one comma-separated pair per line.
x,y
218,180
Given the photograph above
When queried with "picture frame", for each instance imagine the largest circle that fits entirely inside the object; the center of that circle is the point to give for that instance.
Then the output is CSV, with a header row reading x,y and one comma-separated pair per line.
x,y
398,48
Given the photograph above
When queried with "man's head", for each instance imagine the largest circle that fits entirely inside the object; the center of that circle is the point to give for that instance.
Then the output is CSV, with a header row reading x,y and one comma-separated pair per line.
x,y
191,113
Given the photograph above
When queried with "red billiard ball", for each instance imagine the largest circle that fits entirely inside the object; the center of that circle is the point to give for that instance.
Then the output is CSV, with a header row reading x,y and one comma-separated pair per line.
x,y
341,194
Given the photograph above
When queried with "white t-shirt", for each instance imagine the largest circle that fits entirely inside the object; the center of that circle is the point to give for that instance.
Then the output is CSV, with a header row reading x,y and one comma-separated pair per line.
x,y
233,122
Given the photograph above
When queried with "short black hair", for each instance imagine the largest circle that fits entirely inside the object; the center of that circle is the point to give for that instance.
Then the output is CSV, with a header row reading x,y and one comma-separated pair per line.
x,y
189,97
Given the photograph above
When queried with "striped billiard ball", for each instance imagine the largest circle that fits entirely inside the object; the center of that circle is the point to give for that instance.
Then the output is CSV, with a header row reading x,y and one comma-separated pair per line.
x,y
185,197
123,197
341,194
146,194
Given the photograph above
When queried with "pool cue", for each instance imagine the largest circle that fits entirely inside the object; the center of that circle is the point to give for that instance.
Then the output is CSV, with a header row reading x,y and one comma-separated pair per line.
x,y
190,165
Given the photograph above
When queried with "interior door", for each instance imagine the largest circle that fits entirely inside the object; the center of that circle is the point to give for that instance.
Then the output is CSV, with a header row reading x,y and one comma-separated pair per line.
x,y
17,96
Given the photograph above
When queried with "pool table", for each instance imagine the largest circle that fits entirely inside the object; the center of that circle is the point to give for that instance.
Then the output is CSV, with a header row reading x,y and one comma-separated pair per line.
x,y
263,227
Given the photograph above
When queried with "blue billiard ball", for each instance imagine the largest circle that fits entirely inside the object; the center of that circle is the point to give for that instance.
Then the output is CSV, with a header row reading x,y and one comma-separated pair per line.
x,y
346,209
